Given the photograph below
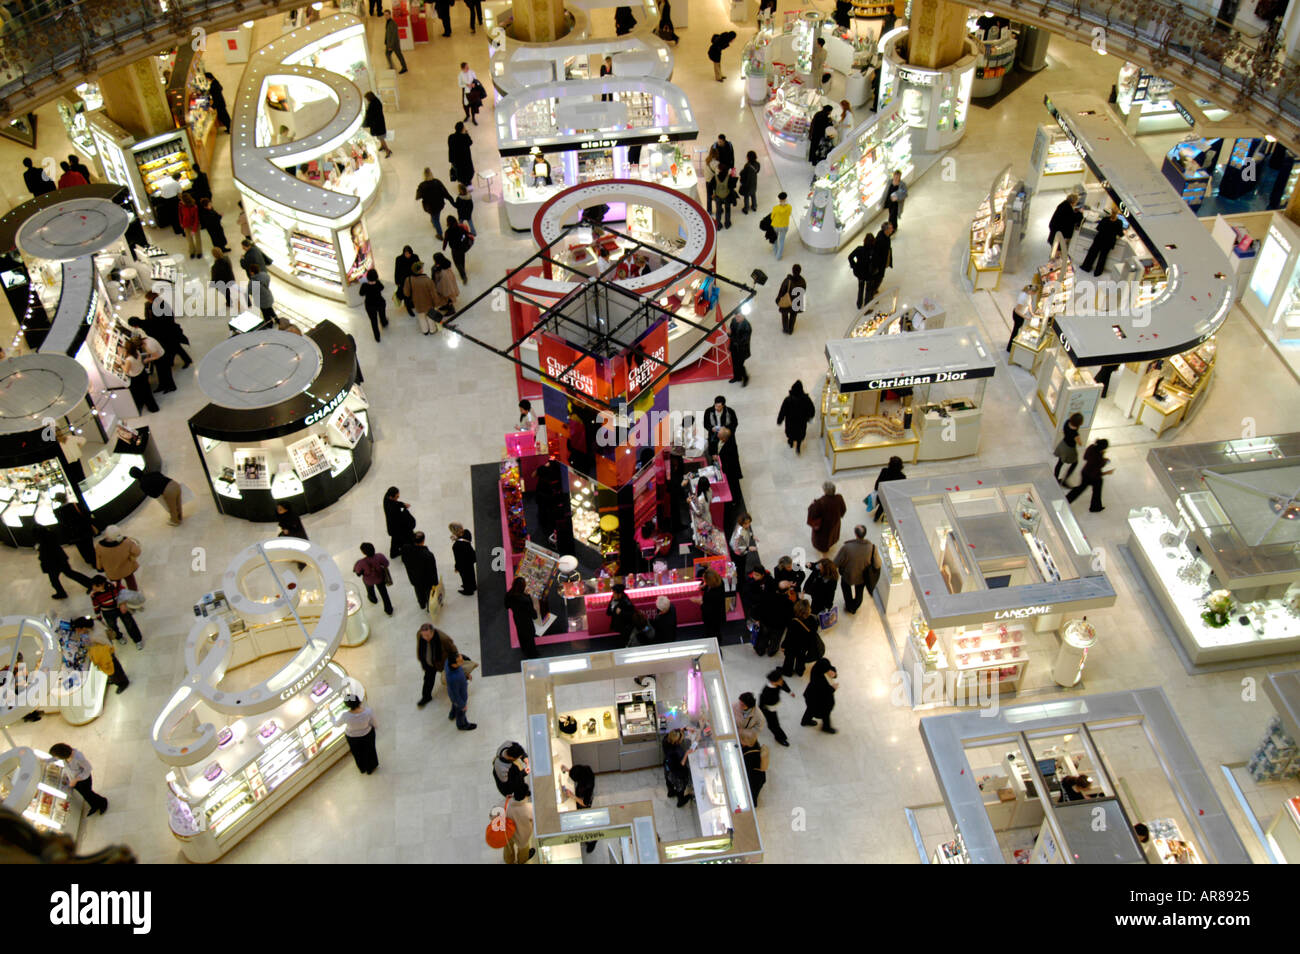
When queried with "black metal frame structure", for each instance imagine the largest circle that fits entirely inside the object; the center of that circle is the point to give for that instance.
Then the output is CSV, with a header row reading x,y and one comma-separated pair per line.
x,y
582,317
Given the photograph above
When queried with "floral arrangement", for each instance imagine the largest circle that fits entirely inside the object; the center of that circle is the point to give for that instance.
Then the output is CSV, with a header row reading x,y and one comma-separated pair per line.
x,y
1218,608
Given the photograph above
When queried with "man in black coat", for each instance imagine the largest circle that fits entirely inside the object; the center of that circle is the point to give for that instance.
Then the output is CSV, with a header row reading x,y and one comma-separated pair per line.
x,y
1109,230
716,418
726,154
1065,219
35,179
421,568
443,9
464,559
738,344
77,527
882,258
862,262
160,323
433,195
459,154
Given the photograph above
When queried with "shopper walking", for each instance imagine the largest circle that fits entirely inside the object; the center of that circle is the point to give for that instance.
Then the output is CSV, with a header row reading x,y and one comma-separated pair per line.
x,y
457,680
54,562
76,770
464,559
399,522
443,9
137,377
749,183
465,208
393,42
1109,230
105,660
819,697
163,489
372,296
859,564
422,297
259,291
818,142
1065,219
210,221
739,334
475,13
37,182
188,213
819,587
717,43
373,121
893,470
518,849
117,556
523,612
801,638
359,729
780,220
824,516
624,22
461,240
723,197
895,196
665,30
253,255
71,177
862,262
77,526
882,258
421,567
466,79
217,97
221,279
1090,476
432,196
716,418
444,283
106,599
460,155
769,699
790,298
819,63
432,649
796,411
510,768
289,522
374,572
404,264
1066,450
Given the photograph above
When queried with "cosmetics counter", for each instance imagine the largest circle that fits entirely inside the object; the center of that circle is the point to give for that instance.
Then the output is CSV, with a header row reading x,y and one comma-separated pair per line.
x,y
788,50
1054,161
190,102
935,102
1189,167
515,65
33,785
917,395
239,751
288,421
74,111
639,695
1053,290
141,166
997,566
1147,102
1221,565
1184,288
84,461
997,55
850,185
1272,297
555,135
996,230
55,674
299,107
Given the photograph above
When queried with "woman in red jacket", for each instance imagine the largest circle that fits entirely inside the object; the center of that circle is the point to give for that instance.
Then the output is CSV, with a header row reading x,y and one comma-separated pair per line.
x,y
188,212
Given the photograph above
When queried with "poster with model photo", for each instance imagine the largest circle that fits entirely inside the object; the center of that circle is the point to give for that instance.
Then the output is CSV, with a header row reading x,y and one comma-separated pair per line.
x,y
252,469
309,456
348,426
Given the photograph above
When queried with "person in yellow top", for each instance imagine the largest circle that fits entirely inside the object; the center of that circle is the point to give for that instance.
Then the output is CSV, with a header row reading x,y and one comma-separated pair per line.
x,y
781,222
101,653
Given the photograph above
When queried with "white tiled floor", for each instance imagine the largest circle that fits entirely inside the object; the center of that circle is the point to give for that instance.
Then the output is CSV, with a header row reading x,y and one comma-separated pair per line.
x,y
437,411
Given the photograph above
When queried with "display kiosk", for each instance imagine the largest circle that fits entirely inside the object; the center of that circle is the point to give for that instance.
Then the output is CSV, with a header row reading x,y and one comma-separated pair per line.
x,y
934,102
917,395
55,449
1272,297
516,65
141,166
996,230
1000,773
997,565
305,168
54,674
997,55
1147,102
74,110
649,691
288,422
33,785
849,188
1054,162
556,135
188,95
1052,291
238,748
1223,569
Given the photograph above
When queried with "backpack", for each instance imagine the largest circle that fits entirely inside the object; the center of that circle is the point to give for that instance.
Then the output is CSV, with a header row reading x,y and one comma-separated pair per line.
x,y
469,236
500,829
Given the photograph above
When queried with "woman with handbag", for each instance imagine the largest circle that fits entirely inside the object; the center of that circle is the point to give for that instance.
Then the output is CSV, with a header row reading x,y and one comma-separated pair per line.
x,y
802,643
359,728
524,612
790,298
461,241
398,520
820,695
819,588
374,573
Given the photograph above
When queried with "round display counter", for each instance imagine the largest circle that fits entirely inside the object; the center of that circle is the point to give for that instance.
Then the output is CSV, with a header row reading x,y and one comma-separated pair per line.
x,y
288,421
657,215
240,749
55,451
52,675
932,101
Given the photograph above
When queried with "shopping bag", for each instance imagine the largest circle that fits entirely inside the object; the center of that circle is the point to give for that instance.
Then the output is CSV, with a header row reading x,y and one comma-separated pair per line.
x,y
437,596
870,501
132,599
828,618
764,756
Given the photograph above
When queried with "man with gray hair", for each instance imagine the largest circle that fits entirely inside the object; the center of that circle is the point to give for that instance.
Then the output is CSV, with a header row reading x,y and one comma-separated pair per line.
x,y
824,515
857,562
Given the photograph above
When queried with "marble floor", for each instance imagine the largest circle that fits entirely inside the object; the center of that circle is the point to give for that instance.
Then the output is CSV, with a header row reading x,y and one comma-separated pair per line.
x,y
437,410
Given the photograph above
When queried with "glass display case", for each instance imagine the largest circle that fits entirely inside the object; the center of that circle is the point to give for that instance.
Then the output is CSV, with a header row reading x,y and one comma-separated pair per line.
x,y
933,101
161,156
788,116
72,110
995,230
33,784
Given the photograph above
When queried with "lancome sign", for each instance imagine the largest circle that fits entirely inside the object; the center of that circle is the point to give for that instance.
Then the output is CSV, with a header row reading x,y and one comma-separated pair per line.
x,y
1023,612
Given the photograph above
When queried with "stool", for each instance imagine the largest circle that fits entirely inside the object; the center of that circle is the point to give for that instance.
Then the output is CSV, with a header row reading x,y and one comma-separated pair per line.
x,y
386,84
487,178
131,277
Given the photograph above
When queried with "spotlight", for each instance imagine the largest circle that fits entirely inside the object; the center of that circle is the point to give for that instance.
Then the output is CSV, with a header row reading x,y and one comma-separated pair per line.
x,y
759,276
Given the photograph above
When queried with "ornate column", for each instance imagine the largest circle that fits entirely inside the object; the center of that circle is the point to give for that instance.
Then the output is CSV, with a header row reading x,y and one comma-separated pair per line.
x,y
937,33
135,99
538,21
